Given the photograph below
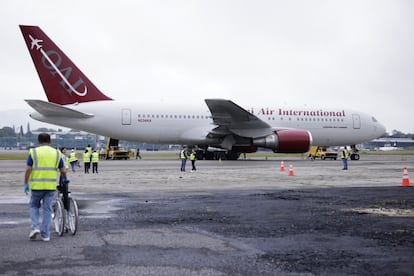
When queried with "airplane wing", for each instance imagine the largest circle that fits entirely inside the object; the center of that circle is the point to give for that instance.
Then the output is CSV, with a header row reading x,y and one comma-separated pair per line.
x,y
56,110
231,118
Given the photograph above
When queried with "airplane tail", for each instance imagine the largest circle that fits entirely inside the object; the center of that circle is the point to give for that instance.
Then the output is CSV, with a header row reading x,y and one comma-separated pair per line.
x,y
62,81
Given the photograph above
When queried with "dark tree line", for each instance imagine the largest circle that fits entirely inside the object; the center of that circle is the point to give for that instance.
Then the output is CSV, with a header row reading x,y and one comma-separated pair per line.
x,y
398,134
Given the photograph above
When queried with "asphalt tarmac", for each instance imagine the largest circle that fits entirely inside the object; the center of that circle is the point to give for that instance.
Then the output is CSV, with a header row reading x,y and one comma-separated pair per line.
x,y
245,217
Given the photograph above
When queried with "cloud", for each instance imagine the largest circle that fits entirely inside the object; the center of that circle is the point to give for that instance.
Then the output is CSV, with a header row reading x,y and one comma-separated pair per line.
x,y
355,54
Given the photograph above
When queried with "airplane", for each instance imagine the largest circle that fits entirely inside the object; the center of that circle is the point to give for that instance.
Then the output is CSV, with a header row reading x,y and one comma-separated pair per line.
x,y
75,102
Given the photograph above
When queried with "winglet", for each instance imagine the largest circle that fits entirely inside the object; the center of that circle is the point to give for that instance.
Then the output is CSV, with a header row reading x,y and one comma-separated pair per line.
x,y
62,81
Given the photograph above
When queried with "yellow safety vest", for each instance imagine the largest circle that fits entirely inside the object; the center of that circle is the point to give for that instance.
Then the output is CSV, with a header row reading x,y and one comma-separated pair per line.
x,y
344,154
183,155
95,157
87,157
89,149
44,169
72,157
192,156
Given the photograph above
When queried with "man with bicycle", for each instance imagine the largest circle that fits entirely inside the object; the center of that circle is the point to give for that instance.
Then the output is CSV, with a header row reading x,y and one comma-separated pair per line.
x,y
40,177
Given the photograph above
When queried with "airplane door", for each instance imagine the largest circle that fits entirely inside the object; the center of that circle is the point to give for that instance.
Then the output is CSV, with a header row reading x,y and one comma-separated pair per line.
x,y
126,116
356,121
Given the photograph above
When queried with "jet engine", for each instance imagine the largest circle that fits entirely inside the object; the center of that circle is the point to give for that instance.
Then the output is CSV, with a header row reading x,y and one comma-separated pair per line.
x,y
286,141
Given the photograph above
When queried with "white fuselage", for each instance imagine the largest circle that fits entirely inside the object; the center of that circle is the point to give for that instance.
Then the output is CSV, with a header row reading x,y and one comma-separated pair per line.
x,y
170,124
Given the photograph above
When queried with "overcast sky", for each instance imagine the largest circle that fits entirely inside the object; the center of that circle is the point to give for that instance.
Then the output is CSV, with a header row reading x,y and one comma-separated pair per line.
x,y
347,54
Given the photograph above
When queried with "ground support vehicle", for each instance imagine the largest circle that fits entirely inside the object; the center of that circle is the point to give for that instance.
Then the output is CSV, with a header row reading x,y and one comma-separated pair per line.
x,y
115,152
322,153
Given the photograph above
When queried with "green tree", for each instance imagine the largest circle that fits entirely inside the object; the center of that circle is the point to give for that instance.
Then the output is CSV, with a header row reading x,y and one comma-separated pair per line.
x,y
7,132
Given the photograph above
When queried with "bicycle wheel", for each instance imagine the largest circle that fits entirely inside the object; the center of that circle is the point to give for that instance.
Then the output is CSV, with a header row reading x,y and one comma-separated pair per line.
x,y
72,218
59,216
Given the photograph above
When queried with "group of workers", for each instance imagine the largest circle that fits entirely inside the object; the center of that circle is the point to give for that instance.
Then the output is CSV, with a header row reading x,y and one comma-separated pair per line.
x,y
184,157
42,166
89,157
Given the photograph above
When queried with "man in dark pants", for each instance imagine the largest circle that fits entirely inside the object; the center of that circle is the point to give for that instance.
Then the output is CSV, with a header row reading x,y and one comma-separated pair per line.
x,y
138,155
193,160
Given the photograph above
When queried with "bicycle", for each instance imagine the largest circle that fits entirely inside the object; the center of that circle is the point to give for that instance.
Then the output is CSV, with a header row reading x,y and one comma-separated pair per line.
x,y
65,211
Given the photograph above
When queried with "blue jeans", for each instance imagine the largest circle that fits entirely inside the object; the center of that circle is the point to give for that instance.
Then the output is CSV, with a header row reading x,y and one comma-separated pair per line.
x,y
183,162
345,163
72,165
44,198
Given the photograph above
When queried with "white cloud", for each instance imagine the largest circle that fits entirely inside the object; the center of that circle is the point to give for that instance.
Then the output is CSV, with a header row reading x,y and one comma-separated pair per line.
x,y
355,54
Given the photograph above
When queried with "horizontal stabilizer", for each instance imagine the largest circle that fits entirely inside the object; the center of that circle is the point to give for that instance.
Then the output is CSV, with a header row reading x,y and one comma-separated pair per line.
x,y
55,110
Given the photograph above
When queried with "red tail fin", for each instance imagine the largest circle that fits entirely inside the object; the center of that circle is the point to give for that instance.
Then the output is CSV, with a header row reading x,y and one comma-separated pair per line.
x,y
62,81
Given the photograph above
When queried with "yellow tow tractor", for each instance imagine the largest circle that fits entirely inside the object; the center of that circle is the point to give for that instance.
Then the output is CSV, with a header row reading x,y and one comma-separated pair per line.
x,y
115,152
322,153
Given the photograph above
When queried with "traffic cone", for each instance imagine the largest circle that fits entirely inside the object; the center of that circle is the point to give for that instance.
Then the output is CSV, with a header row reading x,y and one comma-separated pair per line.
x,y
282,166
291,173
405,179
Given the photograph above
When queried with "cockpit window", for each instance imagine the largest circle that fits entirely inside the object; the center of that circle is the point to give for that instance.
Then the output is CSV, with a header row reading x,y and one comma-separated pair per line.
x,y
374,120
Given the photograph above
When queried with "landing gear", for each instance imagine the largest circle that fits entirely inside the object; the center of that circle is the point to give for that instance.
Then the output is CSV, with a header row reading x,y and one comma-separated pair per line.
x,y
233,155
217,155
354,153
354,156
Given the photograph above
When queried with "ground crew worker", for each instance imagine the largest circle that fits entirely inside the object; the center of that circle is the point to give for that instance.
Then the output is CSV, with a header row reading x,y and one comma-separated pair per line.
x,y
183,157
89,149
344,156
193,160
65,162
95,160
102,154
138,155
65,159
73,160
40,177
87,160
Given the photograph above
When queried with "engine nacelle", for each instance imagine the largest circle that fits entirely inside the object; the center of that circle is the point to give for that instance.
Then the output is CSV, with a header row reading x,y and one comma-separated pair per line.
x,y
286,141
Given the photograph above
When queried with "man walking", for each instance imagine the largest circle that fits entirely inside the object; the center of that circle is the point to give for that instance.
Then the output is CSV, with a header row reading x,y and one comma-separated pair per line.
x,y
87,160
73,160
138,155
95,160
40,177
